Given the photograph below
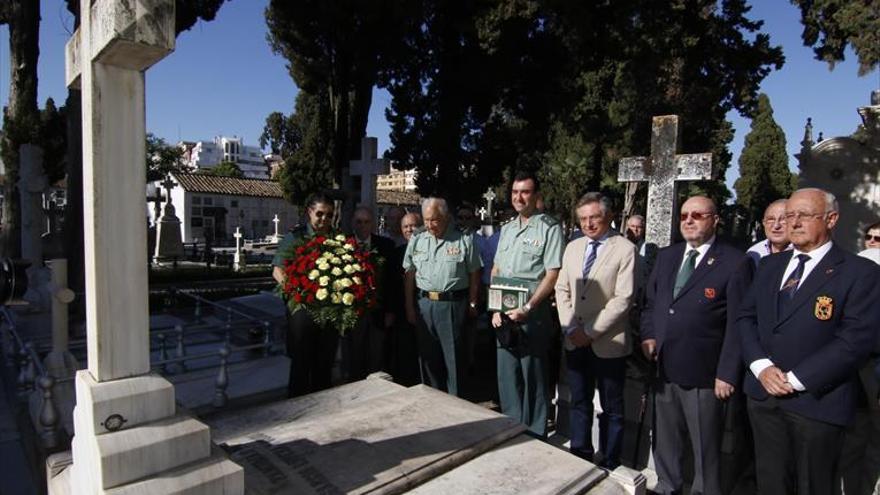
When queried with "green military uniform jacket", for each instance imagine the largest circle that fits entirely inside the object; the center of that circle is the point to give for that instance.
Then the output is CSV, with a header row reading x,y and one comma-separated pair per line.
x,y
443,264
528,251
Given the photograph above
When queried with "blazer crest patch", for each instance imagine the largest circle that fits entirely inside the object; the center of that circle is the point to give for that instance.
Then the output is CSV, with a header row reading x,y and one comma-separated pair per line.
x,y
824,308
709,293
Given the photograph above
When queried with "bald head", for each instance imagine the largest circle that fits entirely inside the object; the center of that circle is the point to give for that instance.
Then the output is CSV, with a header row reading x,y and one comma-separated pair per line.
x,y
699,219
810,216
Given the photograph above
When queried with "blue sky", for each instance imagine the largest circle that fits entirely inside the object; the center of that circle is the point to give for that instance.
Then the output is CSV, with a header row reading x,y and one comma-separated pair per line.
x,y
223,79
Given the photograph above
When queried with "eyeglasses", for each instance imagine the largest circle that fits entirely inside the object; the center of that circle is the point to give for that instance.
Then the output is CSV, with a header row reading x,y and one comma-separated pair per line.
x,y
697,215
772,220
800,215
875,238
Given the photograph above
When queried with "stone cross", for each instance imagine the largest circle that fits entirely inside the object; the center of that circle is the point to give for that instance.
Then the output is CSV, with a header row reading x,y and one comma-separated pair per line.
x,y
661,170
367,168
127,426
168,184
489,196
236,257
482,211
276,221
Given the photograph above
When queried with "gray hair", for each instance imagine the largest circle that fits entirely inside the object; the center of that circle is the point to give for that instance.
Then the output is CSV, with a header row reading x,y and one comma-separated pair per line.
x,y
636,217
831,204
596,197
438,203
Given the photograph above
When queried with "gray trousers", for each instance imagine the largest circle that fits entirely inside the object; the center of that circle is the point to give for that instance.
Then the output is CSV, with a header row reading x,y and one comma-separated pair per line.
x,y
440,344
681,413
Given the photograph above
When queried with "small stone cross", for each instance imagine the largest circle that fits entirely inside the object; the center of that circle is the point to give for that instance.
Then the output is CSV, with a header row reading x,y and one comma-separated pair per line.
x,y
482,211
276,221
367,168
237,236
661,171
489,196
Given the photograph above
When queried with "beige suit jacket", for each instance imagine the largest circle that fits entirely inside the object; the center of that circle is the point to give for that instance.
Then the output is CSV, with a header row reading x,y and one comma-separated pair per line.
x,y
599,305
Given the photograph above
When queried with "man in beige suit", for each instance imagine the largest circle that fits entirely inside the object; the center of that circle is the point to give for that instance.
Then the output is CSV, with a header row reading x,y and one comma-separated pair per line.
x,y
594,293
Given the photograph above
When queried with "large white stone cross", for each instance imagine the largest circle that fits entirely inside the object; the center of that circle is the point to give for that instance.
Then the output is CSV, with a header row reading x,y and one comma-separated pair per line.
x,y
116,42
368,167
661,170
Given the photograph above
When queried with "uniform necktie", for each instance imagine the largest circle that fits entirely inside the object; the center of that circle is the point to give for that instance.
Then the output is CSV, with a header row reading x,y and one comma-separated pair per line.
x,y
791,283
591,258
687,269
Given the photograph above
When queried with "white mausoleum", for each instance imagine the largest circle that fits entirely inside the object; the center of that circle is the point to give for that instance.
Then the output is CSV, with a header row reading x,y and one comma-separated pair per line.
x,y
214,206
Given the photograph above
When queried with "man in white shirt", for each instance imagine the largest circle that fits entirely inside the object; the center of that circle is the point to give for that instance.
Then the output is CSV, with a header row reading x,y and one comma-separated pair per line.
x,y
774,229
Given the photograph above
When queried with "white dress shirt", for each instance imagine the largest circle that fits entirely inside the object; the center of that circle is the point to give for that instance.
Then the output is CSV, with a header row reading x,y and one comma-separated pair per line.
x,y
701,251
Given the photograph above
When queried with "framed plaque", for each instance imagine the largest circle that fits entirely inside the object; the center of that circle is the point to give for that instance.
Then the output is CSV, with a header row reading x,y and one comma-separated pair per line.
x,y
506,294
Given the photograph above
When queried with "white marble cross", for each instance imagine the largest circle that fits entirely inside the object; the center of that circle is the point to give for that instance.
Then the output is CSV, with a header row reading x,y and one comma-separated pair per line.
x,y
367,168
489,196
116,42
276,221
237,236
661,171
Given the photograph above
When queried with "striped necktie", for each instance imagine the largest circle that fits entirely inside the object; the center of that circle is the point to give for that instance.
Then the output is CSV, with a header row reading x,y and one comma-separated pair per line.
x,y
593,248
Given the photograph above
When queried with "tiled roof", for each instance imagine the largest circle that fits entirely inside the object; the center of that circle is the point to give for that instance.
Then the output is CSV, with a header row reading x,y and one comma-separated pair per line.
x,y
213,184
398,198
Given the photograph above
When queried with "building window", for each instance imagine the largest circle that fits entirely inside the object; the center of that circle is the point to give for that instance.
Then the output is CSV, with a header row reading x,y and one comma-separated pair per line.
x,y
197,200
195,222
197,211
233,203
209,201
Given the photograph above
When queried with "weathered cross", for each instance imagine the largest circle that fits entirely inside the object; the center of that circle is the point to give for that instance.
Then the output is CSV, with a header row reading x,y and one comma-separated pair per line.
x,y
237,236
106,57
368,167
168,184
489,196
661,170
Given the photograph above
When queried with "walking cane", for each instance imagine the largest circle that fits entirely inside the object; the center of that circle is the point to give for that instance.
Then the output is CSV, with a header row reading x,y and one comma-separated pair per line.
x,y
643,410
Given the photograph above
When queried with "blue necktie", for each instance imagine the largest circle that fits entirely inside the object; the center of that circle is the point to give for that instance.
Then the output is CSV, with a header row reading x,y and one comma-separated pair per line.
x,y
590,258
791,283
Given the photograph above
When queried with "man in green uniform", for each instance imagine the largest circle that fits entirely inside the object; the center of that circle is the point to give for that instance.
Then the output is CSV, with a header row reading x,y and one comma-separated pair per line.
x,y
530,249
311,347
442,279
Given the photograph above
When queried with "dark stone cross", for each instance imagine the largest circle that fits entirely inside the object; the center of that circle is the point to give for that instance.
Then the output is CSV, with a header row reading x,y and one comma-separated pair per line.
x,y
661,171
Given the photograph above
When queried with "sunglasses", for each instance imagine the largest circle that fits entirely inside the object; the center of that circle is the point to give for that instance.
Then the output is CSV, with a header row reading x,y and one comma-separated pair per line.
x,y
875,238
697,215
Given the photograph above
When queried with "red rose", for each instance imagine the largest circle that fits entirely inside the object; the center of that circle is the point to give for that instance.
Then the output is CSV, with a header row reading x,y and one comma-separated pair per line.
x,y
297,297
310,298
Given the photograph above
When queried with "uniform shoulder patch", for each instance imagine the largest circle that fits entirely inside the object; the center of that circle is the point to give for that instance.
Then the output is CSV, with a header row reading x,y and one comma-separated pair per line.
x,y
549,220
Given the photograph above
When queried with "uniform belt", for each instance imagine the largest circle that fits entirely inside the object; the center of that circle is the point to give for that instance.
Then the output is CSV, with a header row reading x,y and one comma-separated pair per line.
x,y
451,295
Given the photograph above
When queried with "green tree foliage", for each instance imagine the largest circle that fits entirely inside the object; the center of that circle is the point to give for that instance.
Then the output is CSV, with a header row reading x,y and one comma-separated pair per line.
x,y
53,140
304,141
832,25
335,50
163,159
225,169
763,165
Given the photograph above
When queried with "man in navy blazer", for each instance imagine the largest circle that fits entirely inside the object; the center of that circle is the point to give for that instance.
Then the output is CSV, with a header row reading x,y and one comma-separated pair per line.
x,y
687,323
807,325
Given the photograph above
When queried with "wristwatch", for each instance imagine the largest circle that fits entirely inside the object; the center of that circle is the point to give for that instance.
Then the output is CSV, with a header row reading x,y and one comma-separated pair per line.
x,y
527,308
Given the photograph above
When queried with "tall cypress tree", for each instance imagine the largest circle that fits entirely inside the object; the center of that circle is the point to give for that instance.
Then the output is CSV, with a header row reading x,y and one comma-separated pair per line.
x,y
763,165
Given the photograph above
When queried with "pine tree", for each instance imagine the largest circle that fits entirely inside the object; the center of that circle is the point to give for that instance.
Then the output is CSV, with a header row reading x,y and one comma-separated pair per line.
x,y
763,165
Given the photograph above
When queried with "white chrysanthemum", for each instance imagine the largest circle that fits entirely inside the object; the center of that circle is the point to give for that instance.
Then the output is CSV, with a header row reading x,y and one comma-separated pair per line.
x,y
349,269
349,247
314,274
345,282
356,280
340,238
357,267
334,298
348,299
335,260
323,267
321,294
347,257
323,281
336,271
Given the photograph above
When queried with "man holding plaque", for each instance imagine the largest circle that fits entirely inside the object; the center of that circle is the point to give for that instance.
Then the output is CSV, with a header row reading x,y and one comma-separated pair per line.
x,y
442,280
529,256
594,294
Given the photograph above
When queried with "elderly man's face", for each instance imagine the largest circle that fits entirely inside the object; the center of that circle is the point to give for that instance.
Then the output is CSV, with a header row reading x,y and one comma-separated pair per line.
x,y
698,220
774,224
392,220
636,228
410,223
435,221
807,221
362,223
593,221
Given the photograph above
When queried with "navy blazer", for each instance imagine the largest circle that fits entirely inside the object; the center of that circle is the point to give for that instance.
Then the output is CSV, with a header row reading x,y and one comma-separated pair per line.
x,y
824,335
695,339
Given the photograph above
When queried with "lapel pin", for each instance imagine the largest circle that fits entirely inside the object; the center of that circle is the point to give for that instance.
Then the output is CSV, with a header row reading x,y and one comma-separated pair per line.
x,y
829,271
710,261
